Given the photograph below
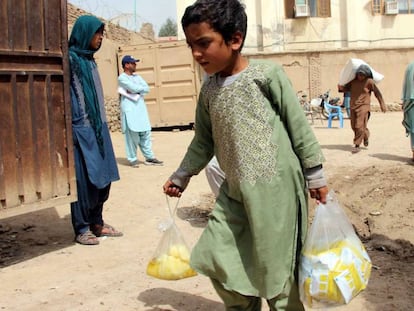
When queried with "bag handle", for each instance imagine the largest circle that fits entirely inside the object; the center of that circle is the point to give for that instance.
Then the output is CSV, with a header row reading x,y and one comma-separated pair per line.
x,y
172,211
163,226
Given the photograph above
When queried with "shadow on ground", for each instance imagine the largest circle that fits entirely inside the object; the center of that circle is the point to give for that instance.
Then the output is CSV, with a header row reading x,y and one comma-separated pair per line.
x,y
123,161
392,157
163,299
347,147
33,234
197,215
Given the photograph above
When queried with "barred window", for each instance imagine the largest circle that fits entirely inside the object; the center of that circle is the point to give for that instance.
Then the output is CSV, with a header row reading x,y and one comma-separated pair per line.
x,y
377,6
406,6
317,8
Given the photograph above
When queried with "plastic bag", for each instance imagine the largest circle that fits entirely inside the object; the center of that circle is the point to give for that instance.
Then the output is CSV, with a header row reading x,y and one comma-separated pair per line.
x,y
334,265
348,72
171,260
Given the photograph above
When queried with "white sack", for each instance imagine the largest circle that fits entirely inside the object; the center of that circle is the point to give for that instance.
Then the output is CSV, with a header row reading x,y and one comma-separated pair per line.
x,y
349,71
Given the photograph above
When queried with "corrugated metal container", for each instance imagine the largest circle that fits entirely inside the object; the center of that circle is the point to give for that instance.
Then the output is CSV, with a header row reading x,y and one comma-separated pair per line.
x,y
173,78
36,153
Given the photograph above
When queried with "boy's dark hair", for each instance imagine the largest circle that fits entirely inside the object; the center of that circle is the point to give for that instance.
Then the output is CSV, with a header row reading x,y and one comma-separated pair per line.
x,y
224,16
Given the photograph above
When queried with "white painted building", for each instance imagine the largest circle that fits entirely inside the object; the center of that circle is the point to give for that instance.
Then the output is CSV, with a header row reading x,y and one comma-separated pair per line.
x,y
287,25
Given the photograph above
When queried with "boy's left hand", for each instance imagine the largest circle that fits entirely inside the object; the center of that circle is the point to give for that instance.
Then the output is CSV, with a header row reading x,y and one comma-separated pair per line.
x,y
319,194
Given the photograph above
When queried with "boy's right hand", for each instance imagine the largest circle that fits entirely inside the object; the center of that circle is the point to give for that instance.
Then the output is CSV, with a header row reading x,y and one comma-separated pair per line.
x,y
319,194
172,189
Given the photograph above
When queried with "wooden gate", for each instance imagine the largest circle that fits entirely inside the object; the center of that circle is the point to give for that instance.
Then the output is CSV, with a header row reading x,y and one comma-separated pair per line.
x,y
36,153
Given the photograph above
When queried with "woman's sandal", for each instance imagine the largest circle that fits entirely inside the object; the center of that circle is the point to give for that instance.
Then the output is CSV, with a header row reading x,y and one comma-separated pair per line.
x,y
105,230
87,238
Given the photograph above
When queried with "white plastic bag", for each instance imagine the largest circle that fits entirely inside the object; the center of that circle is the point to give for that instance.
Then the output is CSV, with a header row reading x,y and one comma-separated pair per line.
x,y
334,264
348,72
171,260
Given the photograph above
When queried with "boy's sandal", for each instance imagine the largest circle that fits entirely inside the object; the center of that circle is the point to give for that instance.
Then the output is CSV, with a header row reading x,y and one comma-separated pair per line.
x,y
105,230
366,142
87,238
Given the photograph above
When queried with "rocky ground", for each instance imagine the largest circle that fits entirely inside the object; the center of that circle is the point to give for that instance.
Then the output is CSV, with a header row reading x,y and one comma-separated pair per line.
x,y
41,268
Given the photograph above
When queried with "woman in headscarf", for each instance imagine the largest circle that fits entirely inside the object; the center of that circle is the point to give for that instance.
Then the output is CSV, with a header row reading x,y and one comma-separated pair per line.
x,y
360,89
408,104
95,162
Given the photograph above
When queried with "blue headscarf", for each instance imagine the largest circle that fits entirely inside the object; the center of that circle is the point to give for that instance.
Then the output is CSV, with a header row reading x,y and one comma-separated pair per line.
x,y
80,54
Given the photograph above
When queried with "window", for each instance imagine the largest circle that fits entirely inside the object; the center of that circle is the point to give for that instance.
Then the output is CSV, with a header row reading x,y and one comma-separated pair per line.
x,y
320,8
317,8
406,6
377,6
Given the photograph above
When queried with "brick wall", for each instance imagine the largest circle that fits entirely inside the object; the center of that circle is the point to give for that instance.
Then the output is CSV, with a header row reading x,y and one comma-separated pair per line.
x,y
116,33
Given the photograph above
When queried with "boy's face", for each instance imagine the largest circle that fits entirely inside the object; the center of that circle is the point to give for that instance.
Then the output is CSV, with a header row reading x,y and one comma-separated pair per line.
x,y
210,50
96,40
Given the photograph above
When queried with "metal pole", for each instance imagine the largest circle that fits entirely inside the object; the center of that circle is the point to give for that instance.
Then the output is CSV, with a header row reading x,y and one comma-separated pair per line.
x,y
259,25
135,15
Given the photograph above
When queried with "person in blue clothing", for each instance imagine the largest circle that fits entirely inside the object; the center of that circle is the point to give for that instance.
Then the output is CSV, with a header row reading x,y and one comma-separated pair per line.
x,y
135,122
347,103
95,163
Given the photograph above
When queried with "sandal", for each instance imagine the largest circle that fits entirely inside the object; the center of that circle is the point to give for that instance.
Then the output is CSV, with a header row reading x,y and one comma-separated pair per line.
x,y
355,149
87,238
105,230
366,142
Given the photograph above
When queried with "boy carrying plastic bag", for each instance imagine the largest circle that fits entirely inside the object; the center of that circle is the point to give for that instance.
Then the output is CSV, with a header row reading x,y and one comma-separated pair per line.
x,y
172,256
334,265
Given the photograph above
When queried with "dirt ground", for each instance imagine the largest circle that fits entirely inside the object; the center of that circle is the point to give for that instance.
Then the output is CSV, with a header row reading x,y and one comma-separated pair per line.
x,y
41,268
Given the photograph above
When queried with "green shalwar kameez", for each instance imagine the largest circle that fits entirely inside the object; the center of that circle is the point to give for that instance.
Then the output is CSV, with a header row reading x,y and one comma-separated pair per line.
x,y
262,141
408,103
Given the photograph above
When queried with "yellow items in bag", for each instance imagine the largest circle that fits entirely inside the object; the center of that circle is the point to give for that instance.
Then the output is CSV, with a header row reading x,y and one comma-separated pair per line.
x,y
171,260
173,265
335,275
334,266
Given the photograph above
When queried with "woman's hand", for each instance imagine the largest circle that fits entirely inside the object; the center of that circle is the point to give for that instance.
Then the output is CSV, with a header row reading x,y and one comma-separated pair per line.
x,y
171,189
319,194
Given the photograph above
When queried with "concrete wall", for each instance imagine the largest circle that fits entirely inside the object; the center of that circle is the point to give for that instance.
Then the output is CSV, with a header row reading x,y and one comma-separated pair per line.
x,y
316,72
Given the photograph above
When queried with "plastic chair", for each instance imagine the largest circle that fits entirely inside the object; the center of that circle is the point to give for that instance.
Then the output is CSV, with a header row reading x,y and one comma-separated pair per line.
x,y
334,112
